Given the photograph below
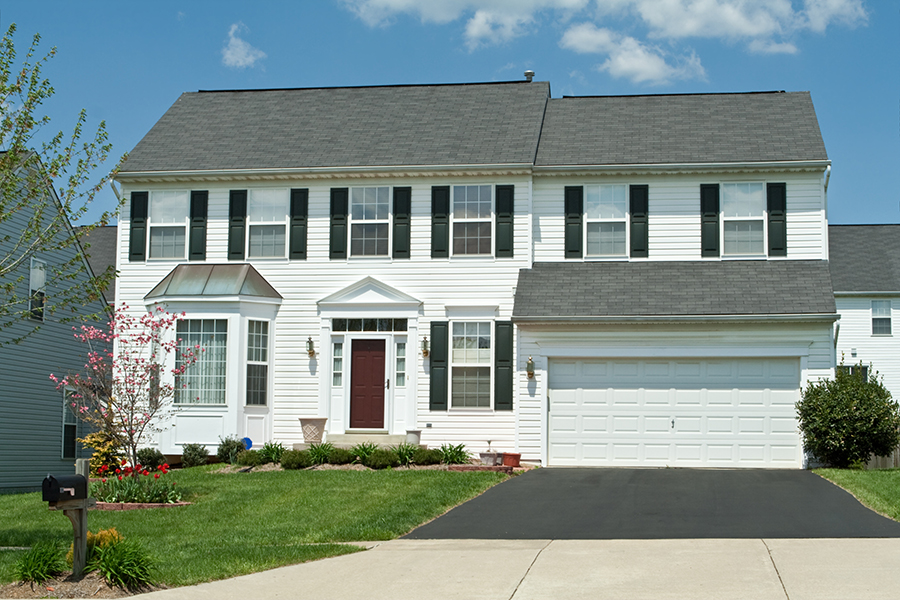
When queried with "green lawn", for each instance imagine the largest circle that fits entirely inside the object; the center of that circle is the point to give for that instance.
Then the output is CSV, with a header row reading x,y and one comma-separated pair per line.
x,y
243,523
878,489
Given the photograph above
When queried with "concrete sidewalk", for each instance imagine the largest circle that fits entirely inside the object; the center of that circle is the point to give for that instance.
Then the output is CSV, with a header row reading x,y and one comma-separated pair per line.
x,y
764,569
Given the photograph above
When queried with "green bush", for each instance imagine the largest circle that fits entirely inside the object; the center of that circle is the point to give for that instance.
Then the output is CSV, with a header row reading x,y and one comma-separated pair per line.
x,y
846,420
42,562
150,458
272,451
454,455
249,458
340,456
319,452
194,455
426,456
382,459
106,450
125,564
404,452
296,459
229,449
362,451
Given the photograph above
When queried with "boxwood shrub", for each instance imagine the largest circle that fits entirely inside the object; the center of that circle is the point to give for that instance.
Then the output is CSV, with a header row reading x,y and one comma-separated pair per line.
x,y
426,456
382,459
340,456
250,458
296,459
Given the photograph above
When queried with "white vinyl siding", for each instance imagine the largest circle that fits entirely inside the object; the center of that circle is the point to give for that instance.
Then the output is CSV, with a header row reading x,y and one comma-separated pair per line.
x,y
856,343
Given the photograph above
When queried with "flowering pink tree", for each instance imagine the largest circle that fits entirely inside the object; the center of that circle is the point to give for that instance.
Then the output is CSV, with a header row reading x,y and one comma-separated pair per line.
x,y
127,394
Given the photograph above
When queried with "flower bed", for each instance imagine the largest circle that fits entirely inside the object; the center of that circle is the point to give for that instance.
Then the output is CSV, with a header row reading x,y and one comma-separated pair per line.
x,y
125,484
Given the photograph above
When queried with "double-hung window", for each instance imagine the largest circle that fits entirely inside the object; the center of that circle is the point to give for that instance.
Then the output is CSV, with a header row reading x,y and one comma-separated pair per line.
x,y
470,365
168,218
267,216
743,219
257,362
70,426
203,382
370,221
606,215
881,317
37,289
472,214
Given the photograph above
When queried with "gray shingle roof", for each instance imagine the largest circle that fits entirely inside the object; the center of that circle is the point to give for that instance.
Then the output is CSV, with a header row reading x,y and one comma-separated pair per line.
x,y
494,123
700,128
648,289
102,253
864,258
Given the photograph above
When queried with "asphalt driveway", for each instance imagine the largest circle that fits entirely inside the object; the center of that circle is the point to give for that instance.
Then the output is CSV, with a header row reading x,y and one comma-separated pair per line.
x,y
605,504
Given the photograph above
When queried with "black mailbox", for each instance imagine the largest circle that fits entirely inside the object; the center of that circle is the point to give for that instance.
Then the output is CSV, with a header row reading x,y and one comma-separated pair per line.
x,y
64,487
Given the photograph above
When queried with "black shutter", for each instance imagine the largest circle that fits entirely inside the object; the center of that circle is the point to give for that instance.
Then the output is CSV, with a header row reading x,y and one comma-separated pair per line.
x,y
777,206
137,245
640,204
440,348
503,365
505,208
440,221
237,223
339,205
574,207
199,205
402,210
299,215
709,219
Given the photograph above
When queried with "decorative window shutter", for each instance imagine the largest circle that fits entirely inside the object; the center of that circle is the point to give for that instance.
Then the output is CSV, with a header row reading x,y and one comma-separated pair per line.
x,y
776,194
402,210
505,209
137,245
339,207
574,207
299,217
503,365
440,221
199,207
439,359
237,223
709,219
640,204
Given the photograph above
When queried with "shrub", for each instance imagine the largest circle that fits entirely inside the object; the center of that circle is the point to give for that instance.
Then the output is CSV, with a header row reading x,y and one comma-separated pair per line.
x,y
362,451
39,564
123,484
271,452
249,458
319,452
101,539
846,420
296,459
427,456
194,455
124,564
454,455
229,448
150,458
382,459
340,456
106,451
404,452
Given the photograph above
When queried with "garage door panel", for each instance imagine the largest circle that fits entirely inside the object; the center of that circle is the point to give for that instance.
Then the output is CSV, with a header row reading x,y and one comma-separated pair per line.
x,y
718,412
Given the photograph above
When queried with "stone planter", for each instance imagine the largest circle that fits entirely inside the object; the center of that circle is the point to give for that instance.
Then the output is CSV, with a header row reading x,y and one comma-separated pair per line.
x,y
414,437
313,429
491,459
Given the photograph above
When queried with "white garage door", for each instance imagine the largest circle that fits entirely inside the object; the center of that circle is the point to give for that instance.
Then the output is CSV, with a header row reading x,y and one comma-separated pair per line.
x,y
684,413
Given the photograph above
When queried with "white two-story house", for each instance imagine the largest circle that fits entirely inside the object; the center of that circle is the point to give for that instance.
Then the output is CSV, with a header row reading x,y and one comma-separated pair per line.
x,y
587,281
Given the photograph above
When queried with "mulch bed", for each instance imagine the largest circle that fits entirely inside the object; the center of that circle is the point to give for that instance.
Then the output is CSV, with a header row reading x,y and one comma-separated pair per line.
x,y
136,505
91,585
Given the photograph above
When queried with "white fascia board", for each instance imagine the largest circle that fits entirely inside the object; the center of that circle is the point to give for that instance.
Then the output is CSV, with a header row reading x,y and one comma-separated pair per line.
x,y
808,165
852,294
808,318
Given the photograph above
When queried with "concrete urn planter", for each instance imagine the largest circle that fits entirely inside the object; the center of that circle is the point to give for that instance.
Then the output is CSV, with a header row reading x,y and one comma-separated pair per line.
x,y
313,429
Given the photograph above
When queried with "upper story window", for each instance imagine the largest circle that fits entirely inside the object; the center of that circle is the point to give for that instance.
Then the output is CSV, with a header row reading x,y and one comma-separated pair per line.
x,y
168,219
370,220
37,285
472,218
267,216
743,218
750,219
606,217
881,317
606,221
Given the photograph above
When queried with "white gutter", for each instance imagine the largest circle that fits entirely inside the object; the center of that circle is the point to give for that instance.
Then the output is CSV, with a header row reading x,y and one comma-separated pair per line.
x,y
827,178
319,170
677,318
782,164
118,194
881,293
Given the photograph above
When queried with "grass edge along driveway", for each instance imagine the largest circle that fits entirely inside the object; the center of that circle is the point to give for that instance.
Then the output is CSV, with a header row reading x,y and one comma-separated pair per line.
x,y
878,489
248,522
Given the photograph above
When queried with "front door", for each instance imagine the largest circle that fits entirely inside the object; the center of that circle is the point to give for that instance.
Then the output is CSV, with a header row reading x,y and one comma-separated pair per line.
x,y
367,384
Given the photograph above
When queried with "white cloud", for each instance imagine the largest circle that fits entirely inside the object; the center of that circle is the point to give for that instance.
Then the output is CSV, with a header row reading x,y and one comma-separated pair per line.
x,y
820,13
237,53
770,47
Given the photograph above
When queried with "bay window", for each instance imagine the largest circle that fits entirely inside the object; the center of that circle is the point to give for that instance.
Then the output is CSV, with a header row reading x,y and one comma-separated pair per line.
x,y
204,381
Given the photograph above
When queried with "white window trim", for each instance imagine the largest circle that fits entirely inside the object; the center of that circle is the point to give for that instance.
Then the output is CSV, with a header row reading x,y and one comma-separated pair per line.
x,y
267,363
452,364
626,220
764,218
389,221
185,225
492,219
228,342
285,222
890,318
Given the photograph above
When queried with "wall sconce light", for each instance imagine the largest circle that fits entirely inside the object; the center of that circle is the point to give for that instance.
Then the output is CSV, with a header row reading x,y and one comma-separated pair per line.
x,y
529,368
310,347
425,347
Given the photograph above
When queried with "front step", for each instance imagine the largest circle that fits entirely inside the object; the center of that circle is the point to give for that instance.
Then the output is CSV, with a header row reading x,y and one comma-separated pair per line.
x,y
348,440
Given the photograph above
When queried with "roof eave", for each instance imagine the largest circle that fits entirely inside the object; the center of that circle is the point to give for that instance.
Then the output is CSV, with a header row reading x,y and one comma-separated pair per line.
x,y
614,319
878,293
795,165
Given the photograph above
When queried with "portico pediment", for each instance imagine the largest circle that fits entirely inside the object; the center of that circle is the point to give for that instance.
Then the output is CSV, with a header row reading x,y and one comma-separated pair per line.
x,y
369,293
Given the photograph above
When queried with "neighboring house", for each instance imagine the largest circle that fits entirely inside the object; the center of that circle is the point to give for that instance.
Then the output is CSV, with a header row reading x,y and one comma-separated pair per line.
x,y
99,246
867,294
588,281
37,430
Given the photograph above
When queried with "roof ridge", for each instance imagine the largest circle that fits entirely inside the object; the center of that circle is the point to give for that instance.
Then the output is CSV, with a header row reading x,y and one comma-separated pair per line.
x,y
358,87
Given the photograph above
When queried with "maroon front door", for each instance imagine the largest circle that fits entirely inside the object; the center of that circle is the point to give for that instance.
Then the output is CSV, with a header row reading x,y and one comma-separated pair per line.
x,y
367,384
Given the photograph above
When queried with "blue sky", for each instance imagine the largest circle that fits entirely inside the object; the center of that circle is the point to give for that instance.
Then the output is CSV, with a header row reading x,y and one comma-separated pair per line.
x,y
127,62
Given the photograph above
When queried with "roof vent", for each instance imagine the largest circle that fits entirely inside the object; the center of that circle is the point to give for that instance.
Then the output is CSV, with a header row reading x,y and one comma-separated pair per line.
x,y
529,75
